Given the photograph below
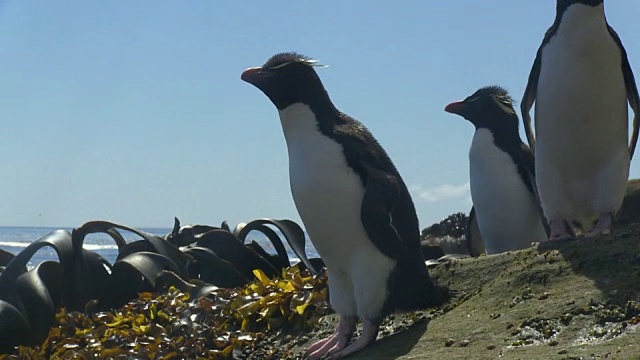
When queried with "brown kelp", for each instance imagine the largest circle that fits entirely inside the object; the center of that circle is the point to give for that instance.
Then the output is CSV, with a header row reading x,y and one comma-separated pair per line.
x,y
30,299
175,322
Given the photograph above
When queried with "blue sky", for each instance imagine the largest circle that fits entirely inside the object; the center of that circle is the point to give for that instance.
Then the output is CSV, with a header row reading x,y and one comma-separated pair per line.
x,y
134,111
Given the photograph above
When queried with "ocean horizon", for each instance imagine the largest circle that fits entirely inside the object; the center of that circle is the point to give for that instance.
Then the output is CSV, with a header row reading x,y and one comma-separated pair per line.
x,y
14,239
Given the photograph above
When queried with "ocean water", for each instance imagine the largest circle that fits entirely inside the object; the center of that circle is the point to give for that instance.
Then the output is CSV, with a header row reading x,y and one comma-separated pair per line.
x,y
15,239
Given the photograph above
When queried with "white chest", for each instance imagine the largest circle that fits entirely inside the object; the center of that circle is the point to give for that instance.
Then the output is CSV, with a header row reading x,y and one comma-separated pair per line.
x,y
494,176
327,192
581,88
507,214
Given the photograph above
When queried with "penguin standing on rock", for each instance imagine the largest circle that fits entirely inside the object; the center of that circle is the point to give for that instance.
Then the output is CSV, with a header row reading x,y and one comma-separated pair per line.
x,y
580,82
356,208
501,173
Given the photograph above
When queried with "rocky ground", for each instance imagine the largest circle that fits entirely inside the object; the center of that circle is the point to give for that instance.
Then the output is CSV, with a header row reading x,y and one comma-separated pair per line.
x,y
577,299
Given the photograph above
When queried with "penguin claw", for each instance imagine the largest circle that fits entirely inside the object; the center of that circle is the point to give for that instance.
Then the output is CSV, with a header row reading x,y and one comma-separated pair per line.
x,y
559,230
321,348
602,227
369,334
557,237
592,234
334,343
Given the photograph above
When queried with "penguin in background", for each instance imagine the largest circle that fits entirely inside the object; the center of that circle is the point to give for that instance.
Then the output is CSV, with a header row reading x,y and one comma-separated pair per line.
x,y
501,172
354,205
581,82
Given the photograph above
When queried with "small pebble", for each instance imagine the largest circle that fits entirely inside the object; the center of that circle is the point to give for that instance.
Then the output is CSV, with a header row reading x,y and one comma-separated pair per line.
x,y
553,343
562,352
566,319
544,296
491,347
465,343
449,342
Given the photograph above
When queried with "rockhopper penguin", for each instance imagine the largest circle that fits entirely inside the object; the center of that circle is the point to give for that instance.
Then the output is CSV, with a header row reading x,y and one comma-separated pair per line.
x,y
501,172
354,205
580,82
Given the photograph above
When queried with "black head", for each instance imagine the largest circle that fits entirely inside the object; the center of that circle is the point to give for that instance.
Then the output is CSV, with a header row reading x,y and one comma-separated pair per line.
x,y
490,107
287,78
562,5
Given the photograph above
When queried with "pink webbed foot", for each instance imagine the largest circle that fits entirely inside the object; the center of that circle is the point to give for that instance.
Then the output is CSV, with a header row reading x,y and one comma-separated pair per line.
x,y
369,333
559,230
334,343
602,227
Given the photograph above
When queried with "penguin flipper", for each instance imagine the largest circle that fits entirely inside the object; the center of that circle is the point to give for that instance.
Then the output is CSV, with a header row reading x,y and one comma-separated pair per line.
x,y
634,102
632,90
529,98
530,176
381,194
473,237
634,134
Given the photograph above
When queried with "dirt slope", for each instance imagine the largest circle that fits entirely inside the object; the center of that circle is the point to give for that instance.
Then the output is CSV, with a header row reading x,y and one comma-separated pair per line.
x,y
577,299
